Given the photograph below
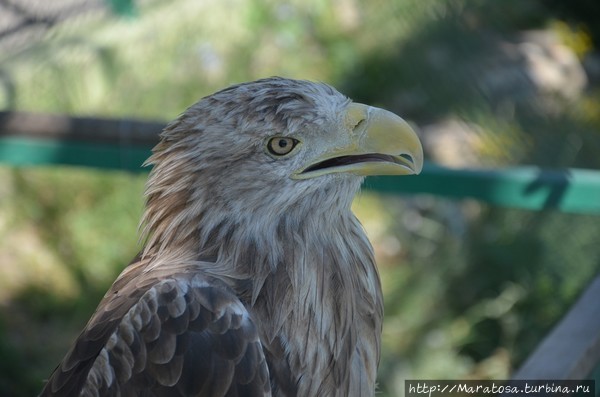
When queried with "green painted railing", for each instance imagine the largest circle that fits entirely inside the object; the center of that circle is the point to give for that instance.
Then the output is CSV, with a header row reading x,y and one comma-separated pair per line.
x,y
569,190
36,140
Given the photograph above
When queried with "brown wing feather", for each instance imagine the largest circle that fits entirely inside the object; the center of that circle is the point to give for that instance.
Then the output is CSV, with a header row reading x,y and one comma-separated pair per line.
x,y
184,335
70,375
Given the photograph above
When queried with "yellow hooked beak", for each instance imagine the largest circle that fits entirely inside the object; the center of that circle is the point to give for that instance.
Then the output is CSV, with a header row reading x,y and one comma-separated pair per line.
x,y
380,143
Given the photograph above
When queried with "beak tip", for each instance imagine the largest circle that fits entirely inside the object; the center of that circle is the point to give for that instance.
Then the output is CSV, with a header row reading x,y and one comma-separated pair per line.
x,y
419,164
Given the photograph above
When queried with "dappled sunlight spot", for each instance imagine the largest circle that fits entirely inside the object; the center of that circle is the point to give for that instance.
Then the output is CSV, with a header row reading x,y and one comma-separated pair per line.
x,y
28,263
496,366
500,305
459,328
370,210
374,215
390,246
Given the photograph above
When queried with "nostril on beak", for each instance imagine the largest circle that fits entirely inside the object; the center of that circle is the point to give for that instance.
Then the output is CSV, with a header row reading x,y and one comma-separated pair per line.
x,y
359,124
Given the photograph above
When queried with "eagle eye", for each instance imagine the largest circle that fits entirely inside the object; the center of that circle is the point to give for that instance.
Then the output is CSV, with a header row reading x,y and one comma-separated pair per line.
x,y
280,145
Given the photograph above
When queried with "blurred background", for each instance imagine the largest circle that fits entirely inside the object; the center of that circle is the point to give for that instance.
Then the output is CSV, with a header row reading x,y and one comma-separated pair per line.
x,y
470,288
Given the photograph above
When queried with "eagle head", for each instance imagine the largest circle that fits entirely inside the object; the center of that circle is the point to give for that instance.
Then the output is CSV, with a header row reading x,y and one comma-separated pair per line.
x,y
256,152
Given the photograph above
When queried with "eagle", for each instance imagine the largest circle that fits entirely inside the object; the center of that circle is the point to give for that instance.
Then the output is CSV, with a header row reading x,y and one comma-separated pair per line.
x,y
255,277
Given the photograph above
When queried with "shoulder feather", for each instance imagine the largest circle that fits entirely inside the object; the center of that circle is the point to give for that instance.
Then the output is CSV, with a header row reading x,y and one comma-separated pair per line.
x,y
184,335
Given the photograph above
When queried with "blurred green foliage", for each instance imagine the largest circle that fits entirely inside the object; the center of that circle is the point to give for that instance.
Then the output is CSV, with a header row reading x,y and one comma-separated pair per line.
x,y
470,289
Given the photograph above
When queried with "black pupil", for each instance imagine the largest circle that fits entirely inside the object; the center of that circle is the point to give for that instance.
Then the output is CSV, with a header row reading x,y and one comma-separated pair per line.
x,y
283,143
